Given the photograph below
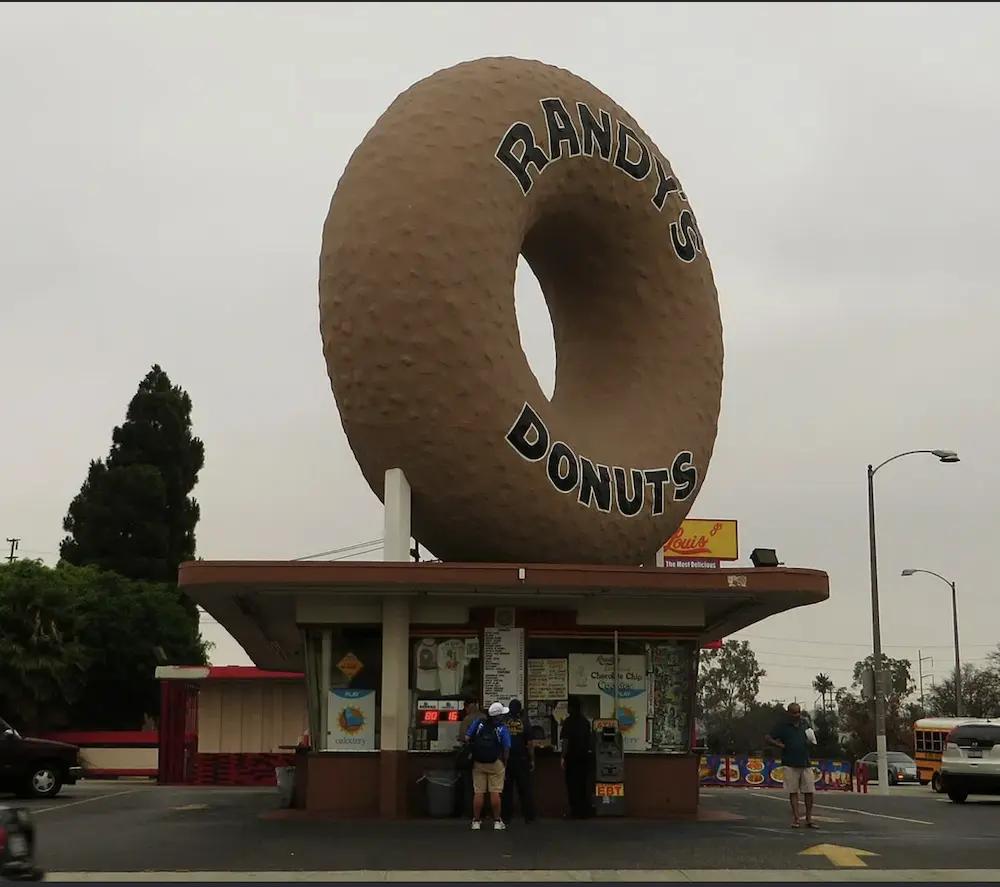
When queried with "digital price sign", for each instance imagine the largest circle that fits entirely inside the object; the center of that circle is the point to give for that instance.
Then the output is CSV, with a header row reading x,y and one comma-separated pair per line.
x,y
434,716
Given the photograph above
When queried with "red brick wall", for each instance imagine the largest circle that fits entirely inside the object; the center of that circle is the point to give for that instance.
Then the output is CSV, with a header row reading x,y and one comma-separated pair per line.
x,y
239,768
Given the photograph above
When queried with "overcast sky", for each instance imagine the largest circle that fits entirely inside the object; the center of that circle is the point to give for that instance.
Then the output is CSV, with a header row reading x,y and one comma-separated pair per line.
x,y
166,170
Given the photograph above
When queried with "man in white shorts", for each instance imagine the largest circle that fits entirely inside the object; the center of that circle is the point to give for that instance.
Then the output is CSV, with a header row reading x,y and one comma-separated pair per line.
x,y
794,740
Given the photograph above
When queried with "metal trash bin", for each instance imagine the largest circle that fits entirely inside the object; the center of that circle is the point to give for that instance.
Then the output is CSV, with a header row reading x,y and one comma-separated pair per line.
x,y
442,786
285,777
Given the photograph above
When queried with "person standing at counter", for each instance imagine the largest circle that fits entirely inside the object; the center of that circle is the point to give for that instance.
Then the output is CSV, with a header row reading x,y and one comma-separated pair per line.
x,y
490,743
577,744
520,766
471,714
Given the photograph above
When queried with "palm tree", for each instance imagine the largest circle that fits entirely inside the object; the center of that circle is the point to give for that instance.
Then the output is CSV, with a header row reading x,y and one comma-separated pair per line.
x,y
824,686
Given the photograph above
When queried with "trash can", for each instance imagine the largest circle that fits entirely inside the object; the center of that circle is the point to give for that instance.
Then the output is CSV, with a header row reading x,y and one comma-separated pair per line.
x,y
441,791
286,784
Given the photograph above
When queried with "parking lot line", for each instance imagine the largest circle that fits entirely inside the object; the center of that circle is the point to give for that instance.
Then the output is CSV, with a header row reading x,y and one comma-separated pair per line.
x,y
83,801
853,810
544,875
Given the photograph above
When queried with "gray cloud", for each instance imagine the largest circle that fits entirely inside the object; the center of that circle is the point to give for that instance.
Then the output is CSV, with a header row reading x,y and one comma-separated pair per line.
x,y
167,170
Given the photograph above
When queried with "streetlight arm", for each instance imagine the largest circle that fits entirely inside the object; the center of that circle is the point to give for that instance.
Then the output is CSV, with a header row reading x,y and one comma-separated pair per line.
x,y
899,456
947,582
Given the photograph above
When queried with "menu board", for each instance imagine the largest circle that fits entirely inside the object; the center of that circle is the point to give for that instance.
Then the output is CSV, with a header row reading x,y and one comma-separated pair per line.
x,y
503,665
548,679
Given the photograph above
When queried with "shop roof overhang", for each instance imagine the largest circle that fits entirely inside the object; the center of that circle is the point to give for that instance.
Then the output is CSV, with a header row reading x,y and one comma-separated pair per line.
x,y
256,600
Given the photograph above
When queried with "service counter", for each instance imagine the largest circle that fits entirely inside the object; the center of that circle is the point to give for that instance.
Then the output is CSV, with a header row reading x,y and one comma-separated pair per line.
x,y
350,785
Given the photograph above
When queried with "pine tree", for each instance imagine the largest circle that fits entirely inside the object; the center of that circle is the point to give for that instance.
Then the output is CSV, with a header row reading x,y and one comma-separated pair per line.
x,y
134,513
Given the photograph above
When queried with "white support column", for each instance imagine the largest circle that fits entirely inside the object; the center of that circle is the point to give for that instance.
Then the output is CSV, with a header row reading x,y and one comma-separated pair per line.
x,y
396,617
395,673
395,653
396,532
325,664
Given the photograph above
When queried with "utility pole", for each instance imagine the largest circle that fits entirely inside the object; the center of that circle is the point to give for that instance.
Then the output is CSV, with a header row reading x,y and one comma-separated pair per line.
x,y
13,547
921,659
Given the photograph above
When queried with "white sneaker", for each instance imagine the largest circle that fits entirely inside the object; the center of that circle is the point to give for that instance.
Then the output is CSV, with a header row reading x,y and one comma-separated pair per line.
x,y
499,826
476,825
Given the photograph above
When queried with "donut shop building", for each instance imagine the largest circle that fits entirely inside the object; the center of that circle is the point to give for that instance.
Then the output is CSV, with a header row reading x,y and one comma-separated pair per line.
x,y
391,650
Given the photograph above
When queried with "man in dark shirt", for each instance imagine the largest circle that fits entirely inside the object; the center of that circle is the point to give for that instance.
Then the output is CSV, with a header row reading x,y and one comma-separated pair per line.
x,y
794,739
520,765
576,760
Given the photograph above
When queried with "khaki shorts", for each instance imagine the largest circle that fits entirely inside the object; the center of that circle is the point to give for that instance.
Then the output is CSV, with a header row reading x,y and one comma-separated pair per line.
x,y
800,780
488,777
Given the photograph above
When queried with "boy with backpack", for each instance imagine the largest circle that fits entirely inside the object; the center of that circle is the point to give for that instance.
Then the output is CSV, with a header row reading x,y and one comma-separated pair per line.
x,y
489,740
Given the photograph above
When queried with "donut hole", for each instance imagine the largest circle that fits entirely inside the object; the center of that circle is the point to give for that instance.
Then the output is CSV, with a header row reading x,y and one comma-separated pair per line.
x,y
534,327
586,256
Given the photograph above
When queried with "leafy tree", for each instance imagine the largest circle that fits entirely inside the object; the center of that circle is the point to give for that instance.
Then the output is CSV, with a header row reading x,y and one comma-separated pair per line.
x,y
78,645
823,685
122,623
857,715
994,659
980,694
827,736
900,678
134,514
744,733
729,679
42,661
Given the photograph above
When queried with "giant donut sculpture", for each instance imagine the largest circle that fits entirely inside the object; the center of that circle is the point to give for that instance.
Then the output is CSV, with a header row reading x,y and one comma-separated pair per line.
x,y
465,171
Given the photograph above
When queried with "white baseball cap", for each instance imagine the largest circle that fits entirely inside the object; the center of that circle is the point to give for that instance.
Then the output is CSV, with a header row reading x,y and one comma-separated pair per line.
x,y
497,709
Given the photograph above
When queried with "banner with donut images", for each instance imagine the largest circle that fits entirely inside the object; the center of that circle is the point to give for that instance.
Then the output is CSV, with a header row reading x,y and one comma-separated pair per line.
x,y
748,771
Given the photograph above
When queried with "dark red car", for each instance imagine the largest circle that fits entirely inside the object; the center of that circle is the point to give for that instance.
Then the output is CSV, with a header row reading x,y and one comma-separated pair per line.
x,y
35,768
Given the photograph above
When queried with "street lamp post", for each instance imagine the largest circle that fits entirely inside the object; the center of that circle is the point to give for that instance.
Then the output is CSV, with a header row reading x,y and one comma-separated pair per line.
x,y
881,747
954,618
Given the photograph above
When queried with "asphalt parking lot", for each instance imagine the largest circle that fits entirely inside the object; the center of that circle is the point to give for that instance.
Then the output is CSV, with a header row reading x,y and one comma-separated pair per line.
x,y
141,828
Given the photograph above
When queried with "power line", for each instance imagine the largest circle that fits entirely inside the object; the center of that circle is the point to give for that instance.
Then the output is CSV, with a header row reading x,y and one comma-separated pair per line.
x,y
370,542
371,550
866,645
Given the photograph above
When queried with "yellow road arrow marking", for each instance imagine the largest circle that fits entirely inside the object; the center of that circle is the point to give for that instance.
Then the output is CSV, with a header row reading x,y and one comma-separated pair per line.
x,y
842,857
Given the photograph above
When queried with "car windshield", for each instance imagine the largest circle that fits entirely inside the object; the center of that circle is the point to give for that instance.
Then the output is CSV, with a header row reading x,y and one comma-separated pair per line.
x,y
897,757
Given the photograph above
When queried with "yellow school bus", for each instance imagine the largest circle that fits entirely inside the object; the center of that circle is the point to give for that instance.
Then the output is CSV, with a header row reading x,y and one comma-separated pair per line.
x,y
929,736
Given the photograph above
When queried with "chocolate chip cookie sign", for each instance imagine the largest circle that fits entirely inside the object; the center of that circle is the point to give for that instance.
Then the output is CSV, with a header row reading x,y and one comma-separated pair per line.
x,y
464,172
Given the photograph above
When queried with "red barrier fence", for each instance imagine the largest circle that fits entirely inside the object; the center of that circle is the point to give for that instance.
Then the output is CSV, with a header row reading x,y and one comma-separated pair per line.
x,y
861,777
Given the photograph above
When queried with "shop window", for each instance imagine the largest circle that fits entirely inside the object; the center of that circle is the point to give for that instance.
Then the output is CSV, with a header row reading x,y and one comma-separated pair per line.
x,y
349,718
654,693
445,674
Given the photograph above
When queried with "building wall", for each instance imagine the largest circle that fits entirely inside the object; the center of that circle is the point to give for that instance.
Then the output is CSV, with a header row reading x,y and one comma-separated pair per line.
x,y
113,753
250,717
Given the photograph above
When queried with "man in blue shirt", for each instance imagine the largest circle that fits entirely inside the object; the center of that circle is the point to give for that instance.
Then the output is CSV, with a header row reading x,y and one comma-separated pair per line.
x,y
794,739
489,740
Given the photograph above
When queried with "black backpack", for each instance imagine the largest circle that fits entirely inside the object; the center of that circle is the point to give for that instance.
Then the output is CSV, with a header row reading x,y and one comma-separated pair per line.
x,y
486,743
